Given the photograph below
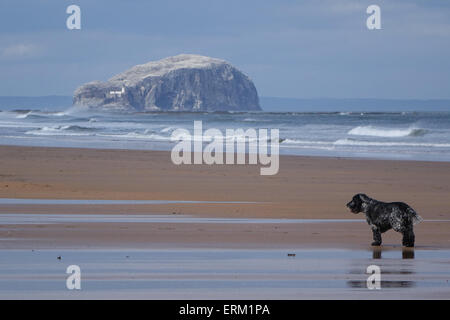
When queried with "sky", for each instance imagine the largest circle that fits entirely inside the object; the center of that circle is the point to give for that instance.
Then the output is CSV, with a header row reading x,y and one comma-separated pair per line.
x,y
296,49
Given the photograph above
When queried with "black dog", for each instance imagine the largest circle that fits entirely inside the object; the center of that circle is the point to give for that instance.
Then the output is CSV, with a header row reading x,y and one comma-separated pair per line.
x,y
382,216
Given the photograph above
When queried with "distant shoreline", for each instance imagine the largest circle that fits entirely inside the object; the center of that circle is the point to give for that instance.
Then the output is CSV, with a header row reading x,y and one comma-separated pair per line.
x,y
268,104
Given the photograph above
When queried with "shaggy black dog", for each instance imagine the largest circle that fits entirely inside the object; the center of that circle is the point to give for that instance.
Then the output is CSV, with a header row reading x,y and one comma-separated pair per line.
x,y
382,216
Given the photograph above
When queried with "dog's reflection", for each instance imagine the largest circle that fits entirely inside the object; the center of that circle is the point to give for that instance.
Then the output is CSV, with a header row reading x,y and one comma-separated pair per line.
x,y
397,275
407,253
376,253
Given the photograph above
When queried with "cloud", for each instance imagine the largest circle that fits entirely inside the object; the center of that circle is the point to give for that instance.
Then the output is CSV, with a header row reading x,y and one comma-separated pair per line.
x,y
21,50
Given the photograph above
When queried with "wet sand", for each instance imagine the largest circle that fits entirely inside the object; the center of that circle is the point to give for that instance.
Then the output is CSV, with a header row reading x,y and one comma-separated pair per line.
x,y
305,187
93,230
225,274
215,208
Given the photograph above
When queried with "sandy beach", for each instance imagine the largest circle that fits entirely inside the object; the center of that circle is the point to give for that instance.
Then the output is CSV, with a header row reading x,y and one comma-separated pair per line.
x,y
305,188
215,208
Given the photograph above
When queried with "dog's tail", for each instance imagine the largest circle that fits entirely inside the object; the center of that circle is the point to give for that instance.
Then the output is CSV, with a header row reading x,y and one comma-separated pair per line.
x,y
415,216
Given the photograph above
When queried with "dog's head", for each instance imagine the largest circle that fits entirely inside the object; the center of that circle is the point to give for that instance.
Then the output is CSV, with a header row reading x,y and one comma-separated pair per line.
x,y
356,205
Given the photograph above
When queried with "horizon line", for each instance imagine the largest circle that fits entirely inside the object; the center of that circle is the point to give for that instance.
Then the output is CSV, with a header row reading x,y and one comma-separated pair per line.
x,y
274,97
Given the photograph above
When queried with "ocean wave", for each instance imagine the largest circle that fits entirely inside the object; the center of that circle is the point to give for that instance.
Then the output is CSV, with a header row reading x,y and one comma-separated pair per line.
x,y
137,135
222,138
62,130
352,142
255,120
23,115
386,132
68,112
304,142
32,115
168,129
78,128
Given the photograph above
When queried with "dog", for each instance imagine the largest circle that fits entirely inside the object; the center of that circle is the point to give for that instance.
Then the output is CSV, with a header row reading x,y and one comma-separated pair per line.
x,y
382,216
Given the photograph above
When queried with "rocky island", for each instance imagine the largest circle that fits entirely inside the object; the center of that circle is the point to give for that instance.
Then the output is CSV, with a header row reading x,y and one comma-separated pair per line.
x,y
181,83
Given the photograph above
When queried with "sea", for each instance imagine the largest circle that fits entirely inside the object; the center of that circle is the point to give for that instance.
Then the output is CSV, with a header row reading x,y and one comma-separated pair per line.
x,y
376,135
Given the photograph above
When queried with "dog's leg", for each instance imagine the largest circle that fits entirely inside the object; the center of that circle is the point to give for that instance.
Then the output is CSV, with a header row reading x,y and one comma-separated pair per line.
x,y
408,237
376,236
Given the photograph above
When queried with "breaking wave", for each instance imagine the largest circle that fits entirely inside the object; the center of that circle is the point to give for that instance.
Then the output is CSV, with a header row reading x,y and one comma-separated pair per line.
x,y
62,130
351,142
386,132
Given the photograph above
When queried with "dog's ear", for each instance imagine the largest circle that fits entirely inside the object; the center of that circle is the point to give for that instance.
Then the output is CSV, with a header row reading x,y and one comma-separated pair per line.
x,y
363,197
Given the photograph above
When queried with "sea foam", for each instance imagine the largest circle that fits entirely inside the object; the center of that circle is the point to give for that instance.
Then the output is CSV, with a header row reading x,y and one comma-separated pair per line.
x,y
386,132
